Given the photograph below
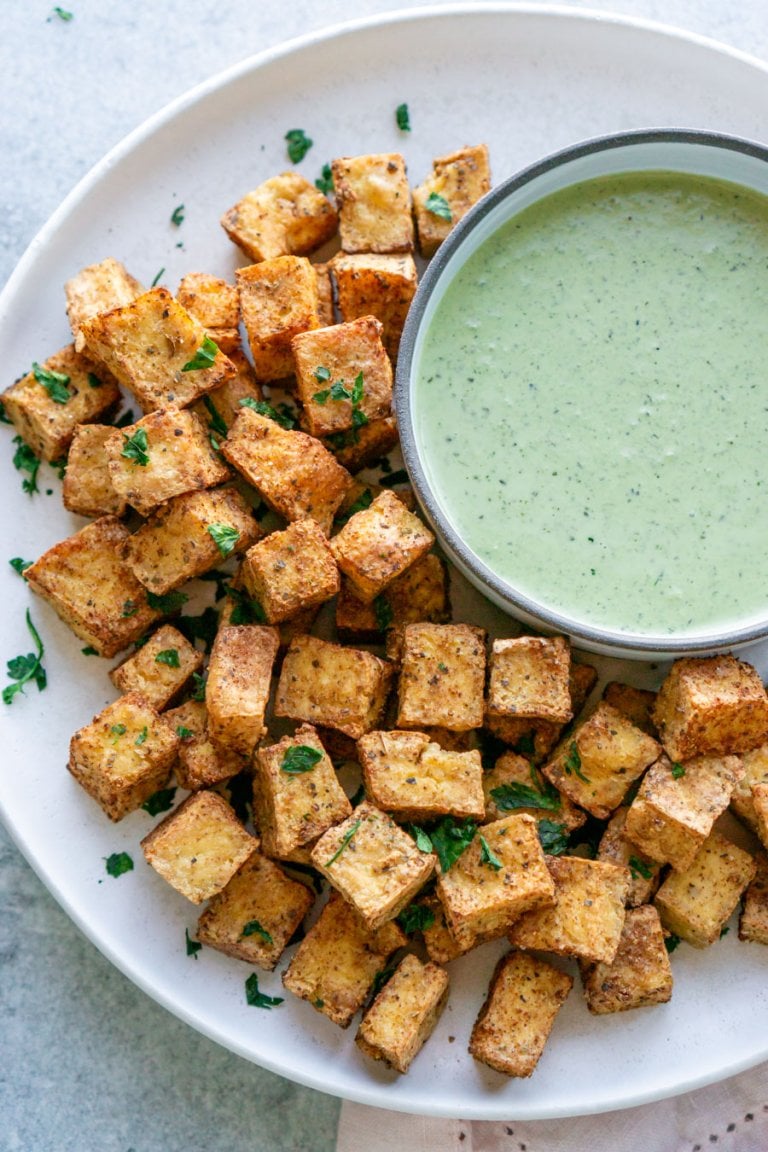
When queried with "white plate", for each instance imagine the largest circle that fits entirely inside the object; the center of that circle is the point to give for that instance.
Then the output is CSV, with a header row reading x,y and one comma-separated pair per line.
x,y
527,81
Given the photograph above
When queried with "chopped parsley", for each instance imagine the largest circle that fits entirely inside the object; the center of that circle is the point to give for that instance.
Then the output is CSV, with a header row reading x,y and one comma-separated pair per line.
x,y
572,763
183,732
246,609
204,357
344,842
724,931
324,182
282,415
177,216
671,942
451,839
253,928
26,669
89,651
363,501
202,627
638,868
384,612
403,118
423,842
4,417
130,608
225,537
63,14
200,682
127,418
438,206
167,602
488,856
415,918
220,579
142,736
381,978
298,144
117,730
358,797
257,999
552,837
118,864
136,448
19,565
216,422
299,759
55,383
321,374
160,801
24,460
156,280
399,476
678,770
193,946
539,794
169,657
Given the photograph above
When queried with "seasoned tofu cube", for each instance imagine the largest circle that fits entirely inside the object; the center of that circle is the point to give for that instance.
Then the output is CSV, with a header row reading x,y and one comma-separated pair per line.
x,y
596,763
237,690
373,863
98,288
284,216
405,773
588,913
753,922
711,705
360,447
379,544
324,295
343,376
755,765
696,903
404,1014
201,763
645,872
636,704
278,299
537,738
123,756
457,182
529,678
760,802
341,688
47,405
374,203
442,677
523,1000
157,350
288,572
199,846
88,489
677,805
440,942
373,284
254,917
187,536
640,973
92,590
296,793
338,960
211,300
291,471
420,594
160,669
514,785
219,409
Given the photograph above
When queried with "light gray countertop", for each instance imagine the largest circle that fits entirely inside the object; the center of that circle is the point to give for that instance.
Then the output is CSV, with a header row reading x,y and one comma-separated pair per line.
x,y
88,1060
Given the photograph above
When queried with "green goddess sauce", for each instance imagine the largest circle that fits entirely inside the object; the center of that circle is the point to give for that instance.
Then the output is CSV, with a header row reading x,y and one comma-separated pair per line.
x,y
592,402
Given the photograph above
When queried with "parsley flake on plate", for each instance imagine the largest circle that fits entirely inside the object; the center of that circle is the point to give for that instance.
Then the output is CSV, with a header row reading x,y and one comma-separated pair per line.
x,y
403,118
193,946
160,801
415,918
24,460
26,669
298,144
256,999
118,864
324,182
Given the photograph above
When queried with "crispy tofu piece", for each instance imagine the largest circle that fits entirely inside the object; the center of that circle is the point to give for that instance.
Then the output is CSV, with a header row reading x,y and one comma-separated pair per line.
x,y
379,544
291,471
523,1000
696,903
373,284
753,921
636,704
98,288
537,738
419,594
87,489
677,805
405,773
278,300
199,846
237,690
341,688
284,216
596,763
374,203
211,300
288,572
711,705
46,415
123,756
440,942
755,765
404,1014
338,960
460,179
160,669
442,677
296,793
640,973
332,360
760,802
254,917
179,540
645,872
326,310
148,346
588,913
373,863
200,763
529,678
513,778
219,409
360,447
92,590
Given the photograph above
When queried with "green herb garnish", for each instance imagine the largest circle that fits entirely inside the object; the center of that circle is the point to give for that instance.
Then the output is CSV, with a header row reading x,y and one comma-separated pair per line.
x,y
487,855
724,931
451,839
142,736
257,999
160,801
553,837
344,842
177,216
193,946
246,609
117,730
24,460
253,928
384,612
225,537
216,422
638,869
299,759
183,732
167,602
220,579
572,763
399,476
63,14
202,627
283,416
26,669
678,770
200,682
169,657
415,918
438,206
204,357
55,383
363,501
19,565
156,280
324,182
136,448
298,144
118,864
403,118
130,608
93,381
541,794
422,838
381,978
4,417
125,420
89,651
671,942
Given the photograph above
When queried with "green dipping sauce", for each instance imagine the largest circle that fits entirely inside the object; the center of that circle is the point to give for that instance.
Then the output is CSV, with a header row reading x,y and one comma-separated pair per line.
x,y
591,401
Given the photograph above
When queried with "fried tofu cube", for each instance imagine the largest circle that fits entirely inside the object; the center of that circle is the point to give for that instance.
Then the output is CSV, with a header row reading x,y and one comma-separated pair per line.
x,y
98,288
374,203
760,802
239,679
419,594
324,295
379,544
87,489
47,405
284,216
220,408
199,847
373,863
640,973
290,571
442,677
598,761
291,471
514,1024
404,1014
92,590
254,917
440,942
529,678
278,300
374,284
636,704
360,447
677,805
211,300
338,960
187,536
711,705
332,365
200,763
755,765
513,780
160,669
459,180
753,921
341,688
645,872
695,904
405,773
153,347
537,738
123,756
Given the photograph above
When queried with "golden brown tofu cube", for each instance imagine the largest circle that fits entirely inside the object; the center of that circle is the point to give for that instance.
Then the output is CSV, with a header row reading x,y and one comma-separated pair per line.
x,y
596,763
404,1014
753,922
537,738
211,300
343,376
189,535
529,678
88,489
293,472
372,284
442,677
254,917
341,688
92,590
123,755
278,300
324,295
378,544
645,872
711,705
199,846
284,216
457,182
160,669
514,785
677,805
405,773
639,974
514,1023
157,350
420,594
760,802
338,960
46,406
373,863
98,288
636,704
237,690
201,763
290,571
755,765
696,903
219,409
374,203
360,447
440,942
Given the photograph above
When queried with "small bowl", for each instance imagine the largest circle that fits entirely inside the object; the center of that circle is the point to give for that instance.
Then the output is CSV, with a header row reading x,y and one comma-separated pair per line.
x,y
724,158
